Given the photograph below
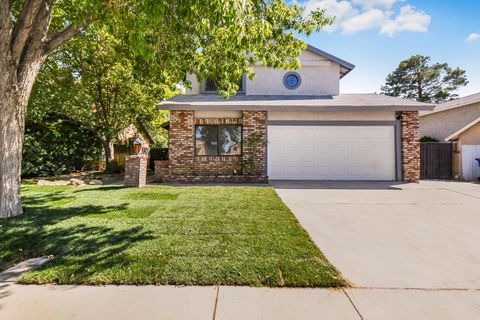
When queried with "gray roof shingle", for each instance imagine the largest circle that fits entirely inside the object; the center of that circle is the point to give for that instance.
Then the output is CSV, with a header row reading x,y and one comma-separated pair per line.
x,y
343,102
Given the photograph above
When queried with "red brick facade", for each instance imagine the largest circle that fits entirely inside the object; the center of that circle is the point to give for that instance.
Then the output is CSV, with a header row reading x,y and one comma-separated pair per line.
x,y
254,124
410,146
185,166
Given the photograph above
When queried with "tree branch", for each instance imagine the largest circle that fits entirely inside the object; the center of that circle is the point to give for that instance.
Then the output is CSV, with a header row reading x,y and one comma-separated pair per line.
x,y
5,26
62,36
23,26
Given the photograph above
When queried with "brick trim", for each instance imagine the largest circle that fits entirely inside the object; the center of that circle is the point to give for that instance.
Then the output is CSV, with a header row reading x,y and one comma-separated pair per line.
x,y
218,121
218,158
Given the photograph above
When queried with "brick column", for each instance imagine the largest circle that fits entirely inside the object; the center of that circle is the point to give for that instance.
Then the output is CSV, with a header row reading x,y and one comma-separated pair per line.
x,y
135,171
181,142
410,146
254,122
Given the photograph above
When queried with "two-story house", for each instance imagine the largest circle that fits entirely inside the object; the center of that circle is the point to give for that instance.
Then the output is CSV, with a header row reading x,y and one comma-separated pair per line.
x,y
291,125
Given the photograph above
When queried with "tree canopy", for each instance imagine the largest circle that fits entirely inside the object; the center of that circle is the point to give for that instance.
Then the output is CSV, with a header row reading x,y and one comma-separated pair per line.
x,y
99,82
219,39
417,79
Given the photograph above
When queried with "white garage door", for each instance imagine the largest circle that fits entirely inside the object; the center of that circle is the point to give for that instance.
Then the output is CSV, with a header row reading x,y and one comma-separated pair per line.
x,y
331,152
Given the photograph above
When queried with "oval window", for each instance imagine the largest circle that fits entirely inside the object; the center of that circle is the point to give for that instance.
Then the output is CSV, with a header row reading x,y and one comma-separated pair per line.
x,y
291,80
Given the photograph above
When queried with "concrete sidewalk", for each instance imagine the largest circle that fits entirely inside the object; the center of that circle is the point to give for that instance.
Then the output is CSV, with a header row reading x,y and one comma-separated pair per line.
x,y
212,302
166,302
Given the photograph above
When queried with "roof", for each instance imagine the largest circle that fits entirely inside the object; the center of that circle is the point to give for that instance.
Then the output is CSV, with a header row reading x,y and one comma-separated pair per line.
x,y
346,67
455,135
343,102
457,103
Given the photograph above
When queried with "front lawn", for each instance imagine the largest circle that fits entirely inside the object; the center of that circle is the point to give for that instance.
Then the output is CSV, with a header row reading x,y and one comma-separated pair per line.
x,y
163,235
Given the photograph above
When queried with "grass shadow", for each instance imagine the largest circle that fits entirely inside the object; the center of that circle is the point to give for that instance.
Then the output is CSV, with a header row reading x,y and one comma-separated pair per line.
x,y
43,231
106,188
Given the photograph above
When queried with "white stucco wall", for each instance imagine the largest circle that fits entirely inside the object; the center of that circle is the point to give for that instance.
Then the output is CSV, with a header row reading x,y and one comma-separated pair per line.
x,y
319,76
442,124
471,136
322,115
195,85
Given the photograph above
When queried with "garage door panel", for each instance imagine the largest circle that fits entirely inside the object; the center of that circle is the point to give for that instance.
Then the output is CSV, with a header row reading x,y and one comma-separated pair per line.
x,y
331,152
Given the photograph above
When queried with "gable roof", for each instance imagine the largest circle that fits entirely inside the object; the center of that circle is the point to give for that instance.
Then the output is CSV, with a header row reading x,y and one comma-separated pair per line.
x,y
457,103
343,102
455,135
345,67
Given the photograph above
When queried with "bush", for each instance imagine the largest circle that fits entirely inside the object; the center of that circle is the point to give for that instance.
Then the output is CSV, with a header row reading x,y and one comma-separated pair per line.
x,y
113,167
58,145
428,139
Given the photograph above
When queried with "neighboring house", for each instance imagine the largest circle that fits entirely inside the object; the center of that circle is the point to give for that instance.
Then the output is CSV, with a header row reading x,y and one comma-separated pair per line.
x,y
457,120
291,125
127,135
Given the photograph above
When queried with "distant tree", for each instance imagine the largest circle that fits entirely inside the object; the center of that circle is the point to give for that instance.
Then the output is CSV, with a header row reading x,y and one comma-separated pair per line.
x,y
417,79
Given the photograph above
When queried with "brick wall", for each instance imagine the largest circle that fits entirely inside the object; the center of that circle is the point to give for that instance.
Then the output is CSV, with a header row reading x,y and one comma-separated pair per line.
x,y
217,165
184,166
410,146
181,142
161,169
254,123
135,171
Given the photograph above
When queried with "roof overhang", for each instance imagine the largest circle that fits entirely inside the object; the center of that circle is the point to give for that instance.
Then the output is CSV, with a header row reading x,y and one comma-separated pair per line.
x,y
349,102
454,104
345,67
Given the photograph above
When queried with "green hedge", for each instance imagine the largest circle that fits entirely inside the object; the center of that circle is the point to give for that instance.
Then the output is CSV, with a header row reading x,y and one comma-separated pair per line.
x,y
58,145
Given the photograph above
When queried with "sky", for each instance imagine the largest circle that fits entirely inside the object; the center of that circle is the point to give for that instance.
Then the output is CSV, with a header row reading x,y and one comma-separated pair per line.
x,y
375,35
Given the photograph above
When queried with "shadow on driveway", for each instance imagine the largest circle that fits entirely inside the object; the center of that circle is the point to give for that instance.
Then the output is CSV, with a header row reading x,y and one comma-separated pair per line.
x,y
337,185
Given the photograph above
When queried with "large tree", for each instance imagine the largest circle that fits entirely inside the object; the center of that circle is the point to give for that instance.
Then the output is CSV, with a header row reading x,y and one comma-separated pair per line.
x,y
417,79
220,38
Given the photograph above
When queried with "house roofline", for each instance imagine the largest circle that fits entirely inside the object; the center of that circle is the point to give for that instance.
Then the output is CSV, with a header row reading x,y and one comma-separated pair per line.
x,y
345,64
454,104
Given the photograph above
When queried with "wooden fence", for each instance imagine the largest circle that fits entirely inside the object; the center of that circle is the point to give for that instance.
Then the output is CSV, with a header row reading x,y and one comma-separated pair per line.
x,y
155,154
436,160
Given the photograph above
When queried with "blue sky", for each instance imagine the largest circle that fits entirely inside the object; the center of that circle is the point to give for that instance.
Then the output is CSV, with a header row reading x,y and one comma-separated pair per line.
x,y
376,35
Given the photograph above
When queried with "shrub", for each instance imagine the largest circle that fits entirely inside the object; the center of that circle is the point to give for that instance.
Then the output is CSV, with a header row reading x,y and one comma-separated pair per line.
x,y
58,145
428,139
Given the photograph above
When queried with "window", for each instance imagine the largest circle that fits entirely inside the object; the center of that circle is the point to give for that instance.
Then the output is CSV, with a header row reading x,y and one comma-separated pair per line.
x,y
210,86
223,140
292,80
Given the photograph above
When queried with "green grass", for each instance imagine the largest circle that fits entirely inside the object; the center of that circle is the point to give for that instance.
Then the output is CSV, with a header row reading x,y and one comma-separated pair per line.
x,y
163,235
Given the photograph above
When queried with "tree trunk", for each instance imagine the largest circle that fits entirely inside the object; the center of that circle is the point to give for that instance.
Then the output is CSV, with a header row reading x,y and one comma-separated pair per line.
x,y
109,149
11,141
24,46
14,97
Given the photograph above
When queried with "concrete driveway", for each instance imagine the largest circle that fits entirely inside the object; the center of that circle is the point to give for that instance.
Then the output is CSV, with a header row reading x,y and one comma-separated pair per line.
x,y
387,235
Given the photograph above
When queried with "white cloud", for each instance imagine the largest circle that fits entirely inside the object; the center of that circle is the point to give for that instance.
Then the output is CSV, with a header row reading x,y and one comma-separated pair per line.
x,y
409,19
367,20
359,15
473,37
368,4
340,9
